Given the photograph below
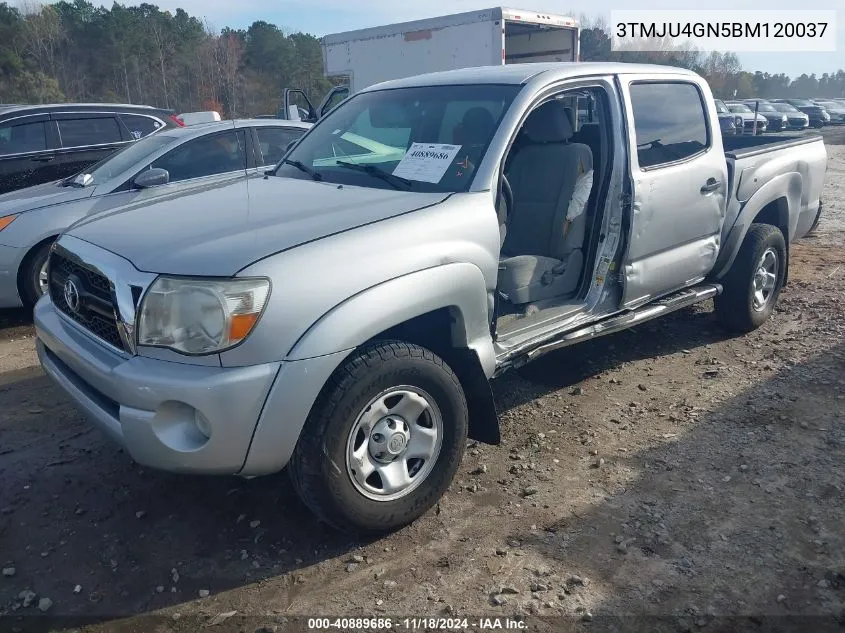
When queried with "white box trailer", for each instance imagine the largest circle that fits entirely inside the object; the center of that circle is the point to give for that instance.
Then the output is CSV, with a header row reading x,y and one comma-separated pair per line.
x,y
489,37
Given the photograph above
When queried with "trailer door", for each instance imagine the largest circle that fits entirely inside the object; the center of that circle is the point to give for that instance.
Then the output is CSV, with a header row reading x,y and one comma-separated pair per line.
x,y
531,42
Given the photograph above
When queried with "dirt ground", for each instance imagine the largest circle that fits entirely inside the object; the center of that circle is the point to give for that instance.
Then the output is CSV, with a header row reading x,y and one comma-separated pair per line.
x,y
667,478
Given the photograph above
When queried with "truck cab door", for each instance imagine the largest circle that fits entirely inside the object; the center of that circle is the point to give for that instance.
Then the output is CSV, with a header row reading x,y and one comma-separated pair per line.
x,y
291,109
678,185
332,98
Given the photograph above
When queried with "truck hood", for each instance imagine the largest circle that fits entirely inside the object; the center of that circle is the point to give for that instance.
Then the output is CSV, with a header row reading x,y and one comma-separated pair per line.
x,y
48,194
220,229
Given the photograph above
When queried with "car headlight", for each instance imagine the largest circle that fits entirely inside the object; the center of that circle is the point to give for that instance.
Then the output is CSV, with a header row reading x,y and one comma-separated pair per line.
x,y
200,316
784,119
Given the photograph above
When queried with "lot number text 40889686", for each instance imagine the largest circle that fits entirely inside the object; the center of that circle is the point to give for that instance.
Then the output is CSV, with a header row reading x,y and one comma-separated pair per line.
x,y
416,624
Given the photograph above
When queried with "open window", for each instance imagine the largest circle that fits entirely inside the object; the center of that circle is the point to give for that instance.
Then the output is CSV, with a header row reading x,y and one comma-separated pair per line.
x,y
548,205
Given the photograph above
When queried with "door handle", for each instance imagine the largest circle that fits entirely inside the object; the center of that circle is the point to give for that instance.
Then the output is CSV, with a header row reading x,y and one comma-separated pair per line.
x,y
710,186
42,159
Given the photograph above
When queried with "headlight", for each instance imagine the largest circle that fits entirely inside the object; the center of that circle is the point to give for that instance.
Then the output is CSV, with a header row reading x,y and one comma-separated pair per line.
x,y
785,119
200,316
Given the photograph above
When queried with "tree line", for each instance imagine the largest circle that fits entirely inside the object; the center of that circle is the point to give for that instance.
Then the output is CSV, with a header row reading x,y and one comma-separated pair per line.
x,y
76,51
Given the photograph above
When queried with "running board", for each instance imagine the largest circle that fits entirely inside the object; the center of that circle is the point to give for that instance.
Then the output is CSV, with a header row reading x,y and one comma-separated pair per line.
x,y
681,299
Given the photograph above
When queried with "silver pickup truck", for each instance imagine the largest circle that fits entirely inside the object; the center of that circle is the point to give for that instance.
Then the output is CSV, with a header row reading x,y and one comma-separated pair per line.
x,y
342,315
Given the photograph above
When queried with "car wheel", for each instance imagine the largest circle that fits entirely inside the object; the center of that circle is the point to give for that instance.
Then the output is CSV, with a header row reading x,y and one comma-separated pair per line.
x,y
384,439
754,282
33,277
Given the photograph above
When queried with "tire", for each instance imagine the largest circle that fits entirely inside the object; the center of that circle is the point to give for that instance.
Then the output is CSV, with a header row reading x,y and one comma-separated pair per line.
x,y
30,286
343,426
740,307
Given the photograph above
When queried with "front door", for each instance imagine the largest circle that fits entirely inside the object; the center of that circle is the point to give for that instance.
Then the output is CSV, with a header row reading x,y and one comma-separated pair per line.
x,y
678,187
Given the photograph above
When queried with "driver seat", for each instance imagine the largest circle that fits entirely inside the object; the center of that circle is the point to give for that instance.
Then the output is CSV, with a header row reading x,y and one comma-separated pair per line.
x,y
542,254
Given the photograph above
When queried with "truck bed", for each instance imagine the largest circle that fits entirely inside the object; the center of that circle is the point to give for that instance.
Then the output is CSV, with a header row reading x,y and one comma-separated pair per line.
x,y
737,147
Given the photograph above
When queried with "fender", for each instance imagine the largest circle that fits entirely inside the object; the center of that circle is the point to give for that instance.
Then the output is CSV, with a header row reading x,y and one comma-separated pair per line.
x,y
329,341
459,286
788,186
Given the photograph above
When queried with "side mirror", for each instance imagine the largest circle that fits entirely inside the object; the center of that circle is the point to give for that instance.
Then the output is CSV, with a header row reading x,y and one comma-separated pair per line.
x,y
152,178
83,180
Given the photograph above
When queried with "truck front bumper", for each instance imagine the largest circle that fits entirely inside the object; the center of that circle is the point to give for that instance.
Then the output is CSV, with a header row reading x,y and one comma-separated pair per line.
x,y
168,415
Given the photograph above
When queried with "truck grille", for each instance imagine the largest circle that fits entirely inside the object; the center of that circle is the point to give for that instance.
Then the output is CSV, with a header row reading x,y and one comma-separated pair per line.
x,y
91,302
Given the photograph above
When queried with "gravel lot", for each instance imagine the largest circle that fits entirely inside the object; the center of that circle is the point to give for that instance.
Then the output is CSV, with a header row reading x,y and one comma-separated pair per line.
x,y
669,478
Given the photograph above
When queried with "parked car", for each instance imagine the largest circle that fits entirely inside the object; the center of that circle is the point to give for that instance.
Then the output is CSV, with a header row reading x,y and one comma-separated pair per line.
x,y
729,123
39,143
796,119
835,110
748,118
343,315
777,121
817,115
168,164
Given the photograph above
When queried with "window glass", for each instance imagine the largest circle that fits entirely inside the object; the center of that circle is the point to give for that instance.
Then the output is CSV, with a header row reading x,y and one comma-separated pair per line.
x,y
365,138
670,122
140,126
273,142
92,131
130,156
17,138
335,98
205,156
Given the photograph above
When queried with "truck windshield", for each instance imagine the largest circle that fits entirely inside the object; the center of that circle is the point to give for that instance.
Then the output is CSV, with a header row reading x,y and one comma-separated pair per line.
x,y
426,139
738,107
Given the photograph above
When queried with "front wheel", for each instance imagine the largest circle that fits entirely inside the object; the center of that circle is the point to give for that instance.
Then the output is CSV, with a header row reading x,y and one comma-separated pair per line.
x,y
384,439
754,282
34,282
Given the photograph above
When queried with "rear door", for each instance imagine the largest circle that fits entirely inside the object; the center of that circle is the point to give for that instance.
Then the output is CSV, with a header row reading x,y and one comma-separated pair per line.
x,y
678,186
85,138
27,156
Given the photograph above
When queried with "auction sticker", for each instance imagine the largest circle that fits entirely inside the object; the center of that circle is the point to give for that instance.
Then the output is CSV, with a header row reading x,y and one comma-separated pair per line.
x,y
426,162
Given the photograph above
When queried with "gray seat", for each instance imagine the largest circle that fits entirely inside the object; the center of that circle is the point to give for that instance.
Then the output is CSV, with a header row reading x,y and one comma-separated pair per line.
x,y
542,254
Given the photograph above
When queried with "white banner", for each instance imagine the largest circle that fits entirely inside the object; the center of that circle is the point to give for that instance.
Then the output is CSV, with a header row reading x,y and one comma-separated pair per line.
x,y
724,30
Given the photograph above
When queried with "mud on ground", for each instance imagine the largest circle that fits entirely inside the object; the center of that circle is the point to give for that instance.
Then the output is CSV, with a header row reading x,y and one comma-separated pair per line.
x,y
672,470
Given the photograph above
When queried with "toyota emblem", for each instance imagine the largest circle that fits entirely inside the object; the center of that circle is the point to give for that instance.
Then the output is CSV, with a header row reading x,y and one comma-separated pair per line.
x,y
71,295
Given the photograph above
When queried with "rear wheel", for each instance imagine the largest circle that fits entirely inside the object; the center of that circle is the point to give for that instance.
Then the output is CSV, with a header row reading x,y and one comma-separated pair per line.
x,y
754,282
384,439
34,281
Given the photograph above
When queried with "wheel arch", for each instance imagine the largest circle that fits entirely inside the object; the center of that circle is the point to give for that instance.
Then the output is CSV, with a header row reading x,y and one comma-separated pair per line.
x,y
25,261
443,309
776,203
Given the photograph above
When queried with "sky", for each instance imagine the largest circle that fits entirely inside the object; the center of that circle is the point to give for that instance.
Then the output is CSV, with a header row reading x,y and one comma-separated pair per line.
x,y
320,17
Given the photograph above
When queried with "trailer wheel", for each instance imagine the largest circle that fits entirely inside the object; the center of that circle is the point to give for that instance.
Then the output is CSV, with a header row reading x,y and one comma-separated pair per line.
x,y
754,282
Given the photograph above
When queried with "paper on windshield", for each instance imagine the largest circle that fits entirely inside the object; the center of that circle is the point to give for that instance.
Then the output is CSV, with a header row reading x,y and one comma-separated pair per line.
x,y
426,162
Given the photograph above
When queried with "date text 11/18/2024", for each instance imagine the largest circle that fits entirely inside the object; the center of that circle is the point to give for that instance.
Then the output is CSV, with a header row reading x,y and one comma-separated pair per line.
x,y
415,624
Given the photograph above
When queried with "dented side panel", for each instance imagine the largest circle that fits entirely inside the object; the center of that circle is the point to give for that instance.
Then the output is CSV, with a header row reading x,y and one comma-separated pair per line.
x,y
677,209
